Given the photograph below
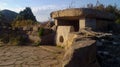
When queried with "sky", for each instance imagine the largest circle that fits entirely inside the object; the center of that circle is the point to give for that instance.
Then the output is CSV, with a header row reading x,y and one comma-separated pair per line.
x,y
43,8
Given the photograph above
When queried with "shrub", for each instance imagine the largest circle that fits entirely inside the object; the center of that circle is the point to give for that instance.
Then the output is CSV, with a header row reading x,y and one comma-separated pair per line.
x,y
14,41
41,30
5,40
13,38
18,40
37,43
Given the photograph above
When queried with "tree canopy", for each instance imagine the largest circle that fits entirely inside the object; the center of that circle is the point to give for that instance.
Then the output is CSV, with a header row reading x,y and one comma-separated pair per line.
x,y
109,8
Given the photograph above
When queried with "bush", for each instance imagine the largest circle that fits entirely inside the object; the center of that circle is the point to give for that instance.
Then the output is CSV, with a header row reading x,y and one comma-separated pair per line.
x,y
13,39
41,31
22,23
4,40
37,43
18,40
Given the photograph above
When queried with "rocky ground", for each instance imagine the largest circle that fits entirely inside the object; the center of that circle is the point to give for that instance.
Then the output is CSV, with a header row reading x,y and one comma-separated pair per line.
x,y
108,55
109,50
30,56
108,47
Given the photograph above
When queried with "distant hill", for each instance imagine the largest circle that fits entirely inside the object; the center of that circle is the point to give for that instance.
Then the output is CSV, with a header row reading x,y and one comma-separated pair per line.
x,y
9,15
3,21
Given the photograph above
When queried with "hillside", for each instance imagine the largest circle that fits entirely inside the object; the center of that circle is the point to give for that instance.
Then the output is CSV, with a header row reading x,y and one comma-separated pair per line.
x,y
3,21
9,15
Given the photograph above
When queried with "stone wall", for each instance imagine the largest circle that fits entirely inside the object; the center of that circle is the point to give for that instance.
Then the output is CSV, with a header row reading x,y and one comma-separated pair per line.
x,y
103,25
91,22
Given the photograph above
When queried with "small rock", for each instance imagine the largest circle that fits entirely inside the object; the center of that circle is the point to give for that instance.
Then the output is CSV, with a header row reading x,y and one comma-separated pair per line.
x,y
102,40
106,53
114,43
98,43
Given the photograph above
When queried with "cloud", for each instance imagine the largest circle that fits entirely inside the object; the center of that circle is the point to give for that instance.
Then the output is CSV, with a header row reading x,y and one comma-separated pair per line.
x,y
42,13
46,7
2,5
5,4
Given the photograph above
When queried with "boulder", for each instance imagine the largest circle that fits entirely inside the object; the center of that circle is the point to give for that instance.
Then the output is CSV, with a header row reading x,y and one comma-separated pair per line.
x,y
82,54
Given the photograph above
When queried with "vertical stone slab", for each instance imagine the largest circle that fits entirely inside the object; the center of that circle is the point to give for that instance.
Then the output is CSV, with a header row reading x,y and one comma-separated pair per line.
x,y
62,35
82,23
56,22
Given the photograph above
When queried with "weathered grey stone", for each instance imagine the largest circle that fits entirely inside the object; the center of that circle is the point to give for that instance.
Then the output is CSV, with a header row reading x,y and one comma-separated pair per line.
x,y
82,54
63,34
81,12
98,43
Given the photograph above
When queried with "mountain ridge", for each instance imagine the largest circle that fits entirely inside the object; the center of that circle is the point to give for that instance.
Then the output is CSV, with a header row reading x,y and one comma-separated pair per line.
x,y
9,15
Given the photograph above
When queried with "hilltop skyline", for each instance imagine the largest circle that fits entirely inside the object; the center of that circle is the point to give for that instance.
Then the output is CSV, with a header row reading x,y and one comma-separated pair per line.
x,y
43,8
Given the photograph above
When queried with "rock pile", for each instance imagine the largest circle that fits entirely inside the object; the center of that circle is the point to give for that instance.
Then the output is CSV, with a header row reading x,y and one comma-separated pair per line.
x,y
108,50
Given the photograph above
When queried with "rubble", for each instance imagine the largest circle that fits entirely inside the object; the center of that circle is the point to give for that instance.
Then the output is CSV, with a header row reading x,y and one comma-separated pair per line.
x,y
108,50
108,47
